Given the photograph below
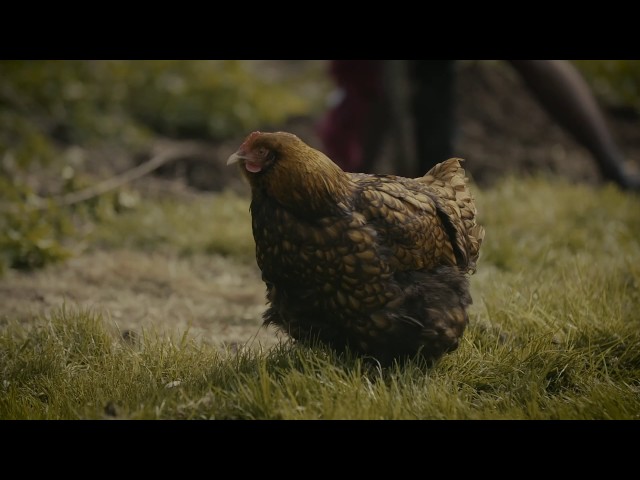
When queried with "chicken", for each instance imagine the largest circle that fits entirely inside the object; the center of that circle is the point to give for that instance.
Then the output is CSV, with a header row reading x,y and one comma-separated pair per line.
x,y
376,264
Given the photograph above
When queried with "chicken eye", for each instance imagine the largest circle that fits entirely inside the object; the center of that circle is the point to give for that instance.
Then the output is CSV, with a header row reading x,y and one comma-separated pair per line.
x,y
266,154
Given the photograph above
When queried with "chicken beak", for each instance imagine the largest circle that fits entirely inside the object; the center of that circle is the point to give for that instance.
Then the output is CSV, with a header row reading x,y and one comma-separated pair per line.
x,y
234,158
249,163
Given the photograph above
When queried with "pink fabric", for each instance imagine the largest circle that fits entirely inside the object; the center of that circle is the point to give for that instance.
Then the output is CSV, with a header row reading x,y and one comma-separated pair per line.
x,y
342,128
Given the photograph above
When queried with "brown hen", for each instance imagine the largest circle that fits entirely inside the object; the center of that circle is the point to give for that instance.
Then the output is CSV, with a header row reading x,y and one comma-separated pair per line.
x,y
377,264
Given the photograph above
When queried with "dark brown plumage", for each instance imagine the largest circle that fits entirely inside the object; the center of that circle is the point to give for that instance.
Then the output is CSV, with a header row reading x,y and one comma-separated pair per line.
x,y
375,263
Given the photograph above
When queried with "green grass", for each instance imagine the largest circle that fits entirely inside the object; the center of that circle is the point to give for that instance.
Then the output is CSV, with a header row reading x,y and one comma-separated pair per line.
x,y
554,332
208,224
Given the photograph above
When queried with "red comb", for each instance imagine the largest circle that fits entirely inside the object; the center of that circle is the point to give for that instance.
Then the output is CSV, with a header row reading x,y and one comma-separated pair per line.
x,y
249,140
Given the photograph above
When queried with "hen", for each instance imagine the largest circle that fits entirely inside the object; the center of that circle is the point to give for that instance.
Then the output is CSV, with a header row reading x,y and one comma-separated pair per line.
x,y
377,264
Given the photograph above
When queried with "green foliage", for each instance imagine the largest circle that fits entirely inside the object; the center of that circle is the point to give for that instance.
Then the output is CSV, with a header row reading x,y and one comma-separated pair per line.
x,y
214,99
83,101
29,237
47,106
35,233
616,82
69,102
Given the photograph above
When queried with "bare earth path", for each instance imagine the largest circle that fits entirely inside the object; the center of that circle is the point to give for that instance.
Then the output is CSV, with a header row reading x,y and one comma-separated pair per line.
x,y
218,300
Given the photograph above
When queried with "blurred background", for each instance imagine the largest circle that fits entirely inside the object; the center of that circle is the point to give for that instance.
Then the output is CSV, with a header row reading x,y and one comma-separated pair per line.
x,y
66,126
117,209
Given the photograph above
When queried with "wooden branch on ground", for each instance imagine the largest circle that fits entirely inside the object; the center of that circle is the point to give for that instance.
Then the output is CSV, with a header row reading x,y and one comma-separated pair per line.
x,y
112,183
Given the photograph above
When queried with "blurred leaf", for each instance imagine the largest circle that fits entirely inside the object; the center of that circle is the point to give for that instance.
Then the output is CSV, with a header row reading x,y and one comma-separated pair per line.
x,y
615,82
52,111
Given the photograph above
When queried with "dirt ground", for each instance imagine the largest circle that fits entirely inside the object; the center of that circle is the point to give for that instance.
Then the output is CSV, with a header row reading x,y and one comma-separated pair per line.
x,y
501,130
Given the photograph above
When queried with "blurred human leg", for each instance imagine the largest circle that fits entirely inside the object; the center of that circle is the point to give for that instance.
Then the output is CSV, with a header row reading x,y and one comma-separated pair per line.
x,y
564,93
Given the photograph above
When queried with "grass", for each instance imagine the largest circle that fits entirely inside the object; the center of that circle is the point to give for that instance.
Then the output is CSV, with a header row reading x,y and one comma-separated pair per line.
x,y
208,224
554,330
